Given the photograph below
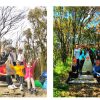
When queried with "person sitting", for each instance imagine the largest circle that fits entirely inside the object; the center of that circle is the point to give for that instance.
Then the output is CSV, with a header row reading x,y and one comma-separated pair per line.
x,y
96,70
74,72
19,70
29,76
9,72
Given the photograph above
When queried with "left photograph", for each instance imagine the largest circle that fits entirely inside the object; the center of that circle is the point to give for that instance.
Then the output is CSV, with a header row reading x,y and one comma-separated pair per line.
x,y
23,51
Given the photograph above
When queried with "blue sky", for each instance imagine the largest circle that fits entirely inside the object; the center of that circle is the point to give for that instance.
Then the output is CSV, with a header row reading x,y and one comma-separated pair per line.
x,y
94,22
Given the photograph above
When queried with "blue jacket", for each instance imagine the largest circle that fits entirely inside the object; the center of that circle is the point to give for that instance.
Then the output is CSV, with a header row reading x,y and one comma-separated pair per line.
x,y
82,55
96,70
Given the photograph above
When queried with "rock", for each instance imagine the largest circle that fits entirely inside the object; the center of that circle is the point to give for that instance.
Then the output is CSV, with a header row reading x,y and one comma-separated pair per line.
x,y
94,94
83,90
11,91
98,96
84,95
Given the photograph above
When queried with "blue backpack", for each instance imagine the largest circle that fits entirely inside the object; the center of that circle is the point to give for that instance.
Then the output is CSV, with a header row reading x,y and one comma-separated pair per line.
x,y
43,77
45,85
44,74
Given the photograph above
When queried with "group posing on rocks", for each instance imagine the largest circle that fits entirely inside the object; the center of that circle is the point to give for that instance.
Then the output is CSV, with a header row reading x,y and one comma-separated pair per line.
x,y
83,53
16,66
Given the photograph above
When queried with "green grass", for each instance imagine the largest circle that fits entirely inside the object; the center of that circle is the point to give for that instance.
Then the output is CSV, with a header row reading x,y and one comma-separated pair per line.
x,y
1,95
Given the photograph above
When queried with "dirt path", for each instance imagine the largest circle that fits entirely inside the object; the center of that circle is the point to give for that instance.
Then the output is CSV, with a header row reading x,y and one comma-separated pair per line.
x,y
5,92
82,90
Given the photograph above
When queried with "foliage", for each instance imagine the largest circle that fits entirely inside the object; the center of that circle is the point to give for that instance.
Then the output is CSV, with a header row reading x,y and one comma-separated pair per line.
x,y
75,25
36,37
60,76
71,25
60,68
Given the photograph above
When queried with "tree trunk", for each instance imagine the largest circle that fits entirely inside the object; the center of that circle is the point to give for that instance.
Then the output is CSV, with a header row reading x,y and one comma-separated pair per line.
x,y
43,62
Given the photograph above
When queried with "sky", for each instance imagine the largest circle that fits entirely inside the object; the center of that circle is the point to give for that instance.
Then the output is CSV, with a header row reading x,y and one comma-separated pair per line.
x,y
94,22
23,25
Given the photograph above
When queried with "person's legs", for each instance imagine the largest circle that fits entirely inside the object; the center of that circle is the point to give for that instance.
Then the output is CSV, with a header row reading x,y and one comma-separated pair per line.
x,y
69,77
28,83
92,60
33,90
78,65
21,83
2,78
81,66
32,82
98,79
21,80
9,80
17,78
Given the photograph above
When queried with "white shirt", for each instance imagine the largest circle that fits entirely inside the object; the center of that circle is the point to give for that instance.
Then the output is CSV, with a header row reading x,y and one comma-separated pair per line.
x,y
14,56
77,53
20,57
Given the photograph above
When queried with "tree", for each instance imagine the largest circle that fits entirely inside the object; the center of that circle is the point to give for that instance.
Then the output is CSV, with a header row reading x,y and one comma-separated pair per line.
x,y
37,35
71,24
9,18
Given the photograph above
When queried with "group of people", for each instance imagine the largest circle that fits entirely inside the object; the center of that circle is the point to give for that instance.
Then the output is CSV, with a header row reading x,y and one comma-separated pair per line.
x,y
16,66
80,54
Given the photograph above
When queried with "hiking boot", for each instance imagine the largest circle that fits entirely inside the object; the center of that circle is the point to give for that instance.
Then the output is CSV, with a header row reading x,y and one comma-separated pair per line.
x,y
11,87
33,91
15,87
21,87
29,91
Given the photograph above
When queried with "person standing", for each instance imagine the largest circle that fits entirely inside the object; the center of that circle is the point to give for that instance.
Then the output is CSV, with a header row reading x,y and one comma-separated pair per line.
x,y
20,57
81,58
91,54
97,52
13,56
77,54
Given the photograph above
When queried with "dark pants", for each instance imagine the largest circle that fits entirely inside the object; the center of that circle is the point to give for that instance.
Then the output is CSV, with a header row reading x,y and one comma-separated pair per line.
x,y
9,80
97,78
72,74
81,66
20,79
2,78
92,60
77,65
17,78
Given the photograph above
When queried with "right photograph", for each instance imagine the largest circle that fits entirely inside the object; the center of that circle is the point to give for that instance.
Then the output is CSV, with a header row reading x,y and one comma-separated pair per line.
x,y
76,51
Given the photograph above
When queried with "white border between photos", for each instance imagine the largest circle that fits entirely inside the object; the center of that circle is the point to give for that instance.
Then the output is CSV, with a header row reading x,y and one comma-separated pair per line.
x,y
49,4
